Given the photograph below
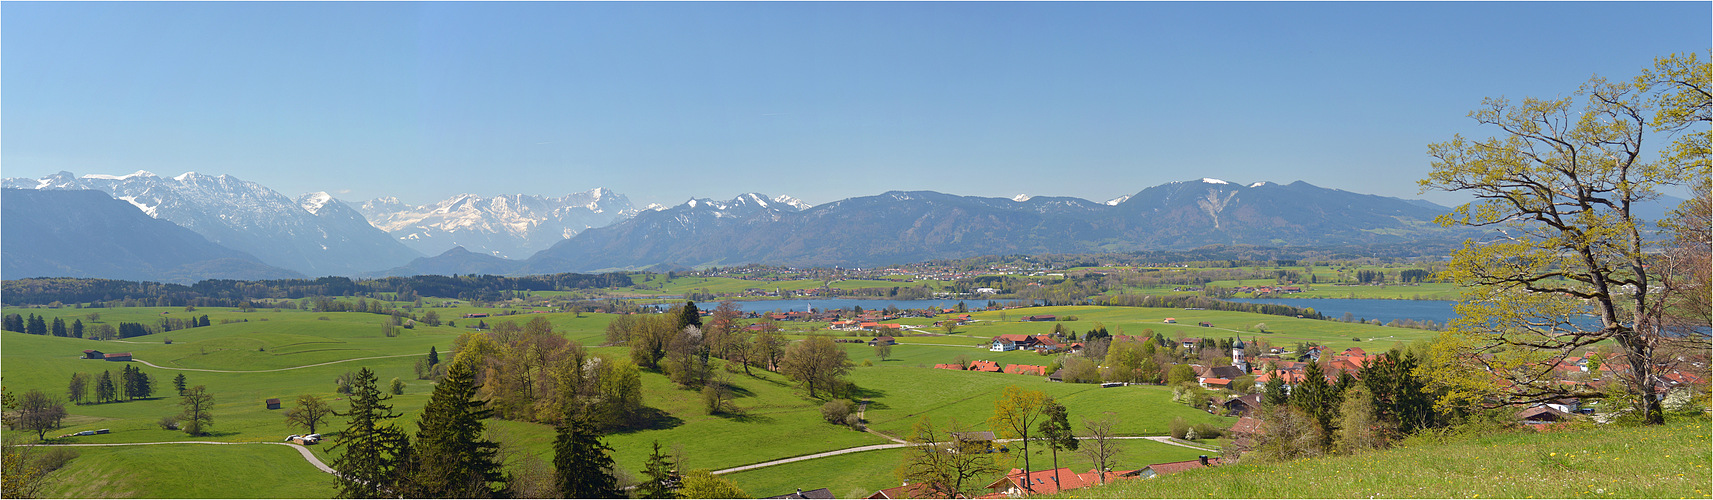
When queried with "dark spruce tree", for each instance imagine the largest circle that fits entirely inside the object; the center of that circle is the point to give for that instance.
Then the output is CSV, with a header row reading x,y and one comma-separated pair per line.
x,y
13,323
453,461
582,464
36,326
374,446
663,479
433,356
59,328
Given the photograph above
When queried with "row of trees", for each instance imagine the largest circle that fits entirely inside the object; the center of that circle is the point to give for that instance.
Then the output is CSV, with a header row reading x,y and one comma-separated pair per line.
x,y
132,384
678,344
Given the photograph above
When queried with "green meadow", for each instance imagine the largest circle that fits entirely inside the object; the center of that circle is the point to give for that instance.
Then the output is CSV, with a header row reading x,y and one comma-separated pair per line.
x,y
1670,461
245,358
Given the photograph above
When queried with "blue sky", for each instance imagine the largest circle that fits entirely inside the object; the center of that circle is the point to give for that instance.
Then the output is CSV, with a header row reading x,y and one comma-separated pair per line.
x,y
823,101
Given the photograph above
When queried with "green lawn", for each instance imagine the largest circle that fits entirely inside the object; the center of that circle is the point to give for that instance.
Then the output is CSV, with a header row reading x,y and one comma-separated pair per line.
x,y
1671,461
189,471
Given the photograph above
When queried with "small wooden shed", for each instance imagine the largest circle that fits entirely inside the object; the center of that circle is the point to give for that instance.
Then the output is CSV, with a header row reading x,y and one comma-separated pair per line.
x,y
273,403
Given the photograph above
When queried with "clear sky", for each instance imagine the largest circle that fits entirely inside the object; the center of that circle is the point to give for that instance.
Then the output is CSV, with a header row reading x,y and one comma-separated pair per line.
x,y
823,101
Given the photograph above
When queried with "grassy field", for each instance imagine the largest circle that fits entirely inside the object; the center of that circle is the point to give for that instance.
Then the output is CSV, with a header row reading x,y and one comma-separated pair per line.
x,y
188,471
266,354
1612,462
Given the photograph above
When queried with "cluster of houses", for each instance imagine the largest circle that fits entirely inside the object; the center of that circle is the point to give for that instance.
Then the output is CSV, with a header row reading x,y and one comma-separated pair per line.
x,y
993,367
1037,343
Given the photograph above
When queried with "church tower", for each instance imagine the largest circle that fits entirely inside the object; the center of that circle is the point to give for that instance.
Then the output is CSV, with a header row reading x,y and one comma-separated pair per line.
x,y
1237,355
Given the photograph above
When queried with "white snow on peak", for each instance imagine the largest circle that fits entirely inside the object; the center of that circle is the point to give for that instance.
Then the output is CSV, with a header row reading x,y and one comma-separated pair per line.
x,y
142,206
1259,184
691,203
1021,198
183,176
313,202
1211,180
1118,200
655,207
139,173
788,200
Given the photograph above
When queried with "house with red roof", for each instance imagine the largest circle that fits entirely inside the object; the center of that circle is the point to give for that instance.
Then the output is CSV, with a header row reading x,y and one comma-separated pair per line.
x,y
984,366
1026,370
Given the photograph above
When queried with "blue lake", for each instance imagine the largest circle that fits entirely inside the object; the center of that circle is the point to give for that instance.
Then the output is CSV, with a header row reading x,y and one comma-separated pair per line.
x,y
1438,311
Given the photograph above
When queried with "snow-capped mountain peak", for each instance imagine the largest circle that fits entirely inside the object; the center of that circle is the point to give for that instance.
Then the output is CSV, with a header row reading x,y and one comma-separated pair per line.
x,y
1021,198
1259,184
314,201
509,226
1211,180
792,201
312,235
139,173
1116,201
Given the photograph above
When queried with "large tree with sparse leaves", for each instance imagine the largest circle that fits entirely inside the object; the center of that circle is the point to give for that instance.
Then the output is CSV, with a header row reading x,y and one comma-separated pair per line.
x,y
1561,186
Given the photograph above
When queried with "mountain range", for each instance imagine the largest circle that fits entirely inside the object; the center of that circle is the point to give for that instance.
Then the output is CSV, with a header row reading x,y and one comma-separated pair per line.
x,y
317,234
911,226
88,234
506,226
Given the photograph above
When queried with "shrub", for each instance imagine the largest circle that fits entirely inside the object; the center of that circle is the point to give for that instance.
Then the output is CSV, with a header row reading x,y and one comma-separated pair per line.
x,y
854,422
397,386
169,422
836,410
1207,431
54,458
1180,427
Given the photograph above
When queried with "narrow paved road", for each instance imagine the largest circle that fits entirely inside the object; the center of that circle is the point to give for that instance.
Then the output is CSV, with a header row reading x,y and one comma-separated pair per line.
x,y
273,370
873,447
307,455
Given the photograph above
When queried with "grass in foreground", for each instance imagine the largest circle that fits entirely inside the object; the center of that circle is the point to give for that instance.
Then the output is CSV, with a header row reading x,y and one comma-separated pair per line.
x,y
1669,461
189,471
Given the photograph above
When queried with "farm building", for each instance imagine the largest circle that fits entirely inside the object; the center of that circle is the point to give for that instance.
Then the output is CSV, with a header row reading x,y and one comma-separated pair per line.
x,y
984,366
1041,317
93,354
117,356
1026,370
273,403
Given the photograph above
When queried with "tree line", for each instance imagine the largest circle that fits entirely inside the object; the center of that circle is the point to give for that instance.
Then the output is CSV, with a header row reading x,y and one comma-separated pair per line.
x,y
229,293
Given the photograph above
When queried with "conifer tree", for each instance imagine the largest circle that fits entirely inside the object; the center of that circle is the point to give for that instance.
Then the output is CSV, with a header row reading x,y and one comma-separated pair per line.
x,y
104,388
77,328
178,383
453,459
59,328
1056,430
663,479
583,464
433,356
374,445
36,326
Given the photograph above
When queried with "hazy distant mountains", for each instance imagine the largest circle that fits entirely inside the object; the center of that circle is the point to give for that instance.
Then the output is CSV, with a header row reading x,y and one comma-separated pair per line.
x,y
88,234
595,230
315,235
899,226
508,226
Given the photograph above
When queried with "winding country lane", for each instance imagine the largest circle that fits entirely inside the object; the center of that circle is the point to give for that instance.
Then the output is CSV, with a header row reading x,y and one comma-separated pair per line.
x,y
1157,439
272,370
